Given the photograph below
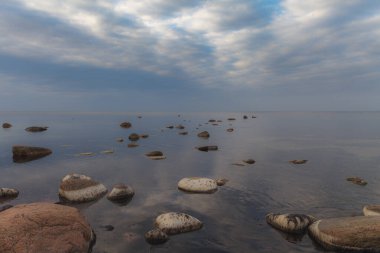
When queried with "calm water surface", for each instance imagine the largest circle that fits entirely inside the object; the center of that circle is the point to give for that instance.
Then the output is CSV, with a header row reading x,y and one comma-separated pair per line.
x,y
337,145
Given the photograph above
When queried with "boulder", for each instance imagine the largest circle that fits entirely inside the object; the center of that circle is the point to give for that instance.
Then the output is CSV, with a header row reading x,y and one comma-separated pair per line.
x,y
156,236
371,210
204,134
126,125
8,193
121,192
44,228
175,223
290,223
198,185
359,233
134,137
80,188
36,129
7,125
26,153
207,148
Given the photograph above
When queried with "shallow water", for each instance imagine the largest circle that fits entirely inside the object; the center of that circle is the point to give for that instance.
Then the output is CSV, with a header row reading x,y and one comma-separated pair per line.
x,y
336,145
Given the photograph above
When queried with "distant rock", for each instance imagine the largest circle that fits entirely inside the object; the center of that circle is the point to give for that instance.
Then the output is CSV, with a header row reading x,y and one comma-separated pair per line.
x,y
230,119
298,161
44,227
245,117
133,145
107,227
183,133
8,193
5,207
126,125
230,130
249,161
133,137
23,154
197,185
80,188
348,234
212,120
175,223
357,180
204,134
144,136
36,129
155,155
7,125
156,236
119,139
221,181
121,192
290,223
180,127
371,210
207,148
170,127
86,154
107,152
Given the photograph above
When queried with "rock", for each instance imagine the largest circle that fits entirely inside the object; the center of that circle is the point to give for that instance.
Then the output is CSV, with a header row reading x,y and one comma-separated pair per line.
x,y
36,129
121,192
230,130
238,164
249,161
207,148
357,180
119,139
26,153
221,181
126,125
253,117
245,117
180,127
44,227
371,210
156,236
144,136
133,137
204,134
359,233
212,120
175,223
290,223
198,185
107,227
7,125
5,207
170,127
110,151
230,119
132,145
156,155
86,154
298,161
8,193
183,133
80,188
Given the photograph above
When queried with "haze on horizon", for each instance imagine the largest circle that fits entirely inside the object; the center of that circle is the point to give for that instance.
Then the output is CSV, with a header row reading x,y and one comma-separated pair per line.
x,y
176,55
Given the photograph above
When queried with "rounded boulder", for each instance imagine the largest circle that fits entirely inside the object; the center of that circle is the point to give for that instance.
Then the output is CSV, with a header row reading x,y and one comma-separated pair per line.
x,y
198,185
175,223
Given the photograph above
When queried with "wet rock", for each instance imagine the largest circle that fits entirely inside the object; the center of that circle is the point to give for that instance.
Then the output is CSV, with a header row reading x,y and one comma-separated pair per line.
x,y
230,130
132,145
249,161
121,192
80,188
107,227
204,134
207,148
357,180
180,127
44,227
298,161
119,139
230,119
359,233
144,136
133,137
7,125
36,129
290,223
110,151
156,236
23,154
221,181
183,133
212,120
155,155
8,193
170,127
371,210
215,124
197,185
175,223
86,154
126,125
245,117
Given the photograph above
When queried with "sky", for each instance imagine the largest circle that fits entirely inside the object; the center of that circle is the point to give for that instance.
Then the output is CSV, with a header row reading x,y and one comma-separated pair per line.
x,y
180,55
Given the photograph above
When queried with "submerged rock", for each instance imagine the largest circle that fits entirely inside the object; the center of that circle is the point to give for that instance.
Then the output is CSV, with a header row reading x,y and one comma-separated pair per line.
x,y
44,227
198,185
371,210
156,236
221,181
359,233
7,125
180,127
357,180
249,161
8,193
183,133
36,129
119,139
144,136
80,188
170,127
175,223
121,192
204,134
23,154
207,148
133,137
298,161
290,223
126,125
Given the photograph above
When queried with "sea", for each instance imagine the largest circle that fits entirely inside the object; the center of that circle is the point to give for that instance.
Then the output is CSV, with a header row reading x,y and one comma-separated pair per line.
x,y
336,145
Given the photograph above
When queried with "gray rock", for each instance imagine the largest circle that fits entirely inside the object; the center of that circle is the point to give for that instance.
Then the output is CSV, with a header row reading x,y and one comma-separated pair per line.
x,y
80,188
290,223
156,236
197,185
359,233
126,125
298,161
23,154
180,127
204,134
134,137
121,192
207,148
8,193
175,223
36,129
249,161
7,125
183,133
230,130
371,210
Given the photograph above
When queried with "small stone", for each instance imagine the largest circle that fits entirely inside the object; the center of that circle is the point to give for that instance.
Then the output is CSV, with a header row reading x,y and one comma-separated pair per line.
x,y
132,145
86,154
144,136
119,139
183,133
5,207
290,223
198,185
7,125
238,164
154,153
230,130
180,127
8,193
249,161
357,180
107,151
133,137
212,120
36,129
23,154
121,192
126,125
221,181
245,117
107,227
207,148
175,223
204,134
371,210
80,188
253,117
170,127
230,119
298,161
156,236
